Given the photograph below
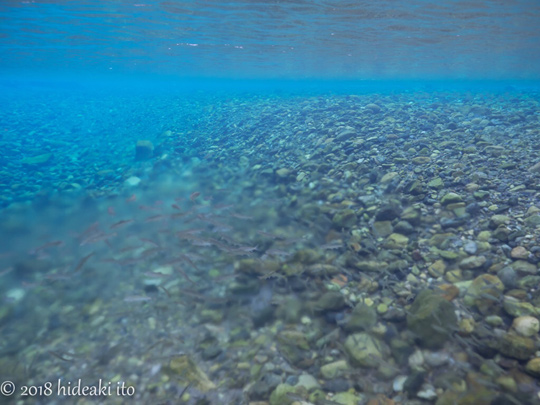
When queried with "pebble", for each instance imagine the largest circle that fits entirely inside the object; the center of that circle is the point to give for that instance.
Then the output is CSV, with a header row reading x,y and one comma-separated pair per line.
x,y
416,360
519,252
470,247
132,181
427,392
526,325
398,383
436,359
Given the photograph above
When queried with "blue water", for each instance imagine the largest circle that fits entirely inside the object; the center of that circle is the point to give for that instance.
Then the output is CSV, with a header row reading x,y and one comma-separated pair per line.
x,y
299,39
196,197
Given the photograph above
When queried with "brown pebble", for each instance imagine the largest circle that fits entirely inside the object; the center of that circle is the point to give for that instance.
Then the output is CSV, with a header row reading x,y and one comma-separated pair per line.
x,y
519,252
449,291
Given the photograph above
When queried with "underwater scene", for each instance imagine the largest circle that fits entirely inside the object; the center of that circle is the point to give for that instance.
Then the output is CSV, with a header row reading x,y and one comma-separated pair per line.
x,y
270,203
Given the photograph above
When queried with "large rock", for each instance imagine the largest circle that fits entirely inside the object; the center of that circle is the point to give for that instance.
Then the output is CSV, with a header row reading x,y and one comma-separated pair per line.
x,y
36,161
144,150
365,350
185,368
432,319
484,293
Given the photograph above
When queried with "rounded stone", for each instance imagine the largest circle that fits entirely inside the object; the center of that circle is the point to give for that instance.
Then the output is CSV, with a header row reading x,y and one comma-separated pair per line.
x,y
519,252
365,350
526,325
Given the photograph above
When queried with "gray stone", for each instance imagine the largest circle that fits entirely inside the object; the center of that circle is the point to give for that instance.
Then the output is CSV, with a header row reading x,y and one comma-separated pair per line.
x,y
432,319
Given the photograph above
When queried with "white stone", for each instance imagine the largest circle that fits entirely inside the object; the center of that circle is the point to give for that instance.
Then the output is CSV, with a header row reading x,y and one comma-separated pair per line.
x,y
133,181
436,359
526,325
15,294
398,383
308,382
427,392
416,359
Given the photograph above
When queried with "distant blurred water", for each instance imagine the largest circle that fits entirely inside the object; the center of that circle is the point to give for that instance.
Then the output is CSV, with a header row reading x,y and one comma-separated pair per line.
x,y
293,39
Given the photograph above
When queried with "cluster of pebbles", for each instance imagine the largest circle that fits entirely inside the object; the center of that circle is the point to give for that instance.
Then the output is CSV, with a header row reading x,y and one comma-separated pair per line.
x,y
396,261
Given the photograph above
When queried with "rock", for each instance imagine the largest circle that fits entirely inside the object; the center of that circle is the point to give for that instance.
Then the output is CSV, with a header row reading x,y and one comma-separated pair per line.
x,y
306,256
412,215
519,252
508,276
437,268
448,291
382,229
436,359
294,346
496,220
436,183
523,267
345,135
365,350
36,161
334,369
370,266
279,395
308,382
283,173
427,392
336,385
388,212
361,318
432,319
256,267
532,221
535,168
414,382
404,228
144,150
533,367
346,398
517,347
526,325
330,301
374,108
516,308
484,292
388,177
420,160
186,369
396,241
132,181
451,198
345,219
472,262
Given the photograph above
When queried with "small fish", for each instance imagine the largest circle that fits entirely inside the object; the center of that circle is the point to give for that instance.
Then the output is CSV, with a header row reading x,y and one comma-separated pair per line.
x,y
111,211
137,298
132,198
97,238
194,196
155,218
46,245
151,242
239,216
83,261
121,223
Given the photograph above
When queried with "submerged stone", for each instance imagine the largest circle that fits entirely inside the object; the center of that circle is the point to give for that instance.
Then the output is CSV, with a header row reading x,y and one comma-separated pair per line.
x,y
484,292
362,318
144,150
37,160
184,367
365,350
432,319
